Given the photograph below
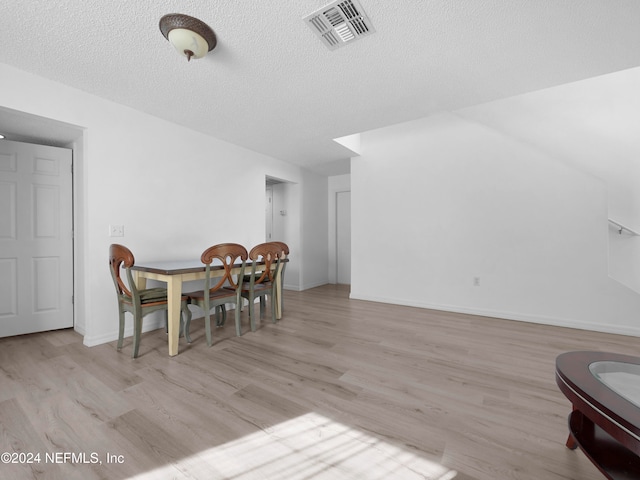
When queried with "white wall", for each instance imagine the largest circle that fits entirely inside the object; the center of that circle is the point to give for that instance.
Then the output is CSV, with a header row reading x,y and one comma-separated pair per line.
x,y
313,231
337,183
175,191
593,125
450,200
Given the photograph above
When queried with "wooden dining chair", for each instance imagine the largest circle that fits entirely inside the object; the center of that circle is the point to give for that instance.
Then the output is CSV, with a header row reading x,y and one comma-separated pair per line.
x,y
138,302
220,290
265,268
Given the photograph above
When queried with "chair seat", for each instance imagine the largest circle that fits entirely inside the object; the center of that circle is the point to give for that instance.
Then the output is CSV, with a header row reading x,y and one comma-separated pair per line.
x,y
247,278
222,293
257,287
152,295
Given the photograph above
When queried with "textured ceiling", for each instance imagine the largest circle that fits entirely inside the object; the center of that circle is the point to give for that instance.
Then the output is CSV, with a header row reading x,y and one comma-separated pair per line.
x,y
271,86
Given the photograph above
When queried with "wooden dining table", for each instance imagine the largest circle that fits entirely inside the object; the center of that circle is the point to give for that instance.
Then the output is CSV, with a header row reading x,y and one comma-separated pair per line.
x,y
174,273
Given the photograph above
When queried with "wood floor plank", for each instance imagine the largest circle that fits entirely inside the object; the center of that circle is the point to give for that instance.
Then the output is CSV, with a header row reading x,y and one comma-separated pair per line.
x,y
337,389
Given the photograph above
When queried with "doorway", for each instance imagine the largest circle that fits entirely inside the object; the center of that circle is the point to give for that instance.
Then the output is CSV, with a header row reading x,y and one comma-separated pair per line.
x,y
343,238
268,213
36,235
276,198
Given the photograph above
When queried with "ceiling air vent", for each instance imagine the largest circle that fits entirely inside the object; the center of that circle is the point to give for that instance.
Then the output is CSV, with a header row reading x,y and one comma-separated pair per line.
x,y
340,23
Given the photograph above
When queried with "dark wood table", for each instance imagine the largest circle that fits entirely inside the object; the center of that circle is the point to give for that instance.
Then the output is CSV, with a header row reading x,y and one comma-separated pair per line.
x,y
604,389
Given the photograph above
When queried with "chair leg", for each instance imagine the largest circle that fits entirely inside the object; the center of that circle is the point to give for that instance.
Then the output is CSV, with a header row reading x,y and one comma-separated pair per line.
x,y
182,322
252,313
121,329
281,296
221,311
237,319
273,308
137,332
207,323
185,317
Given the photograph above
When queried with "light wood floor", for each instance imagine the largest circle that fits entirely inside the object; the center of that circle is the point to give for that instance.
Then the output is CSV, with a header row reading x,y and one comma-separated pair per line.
x,y
338,389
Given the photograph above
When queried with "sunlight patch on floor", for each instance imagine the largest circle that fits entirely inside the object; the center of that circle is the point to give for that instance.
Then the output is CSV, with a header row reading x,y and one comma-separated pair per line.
x,y
307,447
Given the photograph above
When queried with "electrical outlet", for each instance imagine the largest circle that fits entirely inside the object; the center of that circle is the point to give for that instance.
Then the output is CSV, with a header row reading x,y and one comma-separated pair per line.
x,y
476,281
116,230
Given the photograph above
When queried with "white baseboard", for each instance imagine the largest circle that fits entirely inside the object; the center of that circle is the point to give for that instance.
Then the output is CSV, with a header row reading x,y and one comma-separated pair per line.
x,y
92,341
542,320
312,285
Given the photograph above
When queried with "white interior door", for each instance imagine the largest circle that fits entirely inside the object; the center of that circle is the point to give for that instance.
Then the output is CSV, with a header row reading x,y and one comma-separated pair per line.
x,y
268,214
36,238
343,237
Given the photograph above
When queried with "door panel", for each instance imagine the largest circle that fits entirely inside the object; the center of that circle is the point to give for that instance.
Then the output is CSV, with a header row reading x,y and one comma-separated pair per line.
x,y
36,238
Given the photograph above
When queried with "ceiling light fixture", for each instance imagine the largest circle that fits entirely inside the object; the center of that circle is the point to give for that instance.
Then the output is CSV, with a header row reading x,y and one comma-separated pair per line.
x,y
190,36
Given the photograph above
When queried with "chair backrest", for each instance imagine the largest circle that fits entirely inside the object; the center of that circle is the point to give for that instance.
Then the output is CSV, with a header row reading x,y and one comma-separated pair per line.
x,y
228,254
119,255
283,259
268,253
284,247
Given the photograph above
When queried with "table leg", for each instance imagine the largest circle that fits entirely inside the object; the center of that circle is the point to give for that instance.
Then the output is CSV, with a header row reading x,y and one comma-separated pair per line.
x,y
174,294
141,282
278,298
571,442
580,426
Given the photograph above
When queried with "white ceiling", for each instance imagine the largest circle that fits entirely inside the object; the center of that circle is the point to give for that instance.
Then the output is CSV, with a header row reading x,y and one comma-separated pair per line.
x,y
271,86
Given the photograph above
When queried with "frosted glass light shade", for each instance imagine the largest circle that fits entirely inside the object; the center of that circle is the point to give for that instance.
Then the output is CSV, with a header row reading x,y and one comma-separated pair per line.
x,y
187,41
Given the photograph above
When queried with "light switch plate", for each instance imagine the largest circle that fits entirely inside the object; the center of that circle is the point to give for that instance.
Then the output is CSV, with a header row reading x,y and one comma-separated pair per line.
x,y
116,230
